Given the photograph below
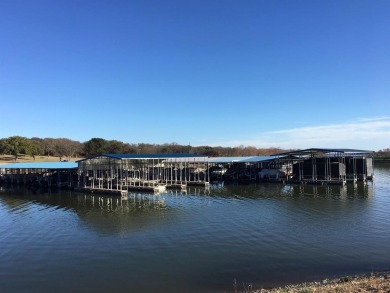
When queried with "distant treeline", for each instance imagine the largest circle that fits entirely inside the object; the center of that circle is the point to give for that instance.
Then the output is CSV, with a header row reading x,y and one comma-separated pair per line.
x,y
385,153
382,155
67,148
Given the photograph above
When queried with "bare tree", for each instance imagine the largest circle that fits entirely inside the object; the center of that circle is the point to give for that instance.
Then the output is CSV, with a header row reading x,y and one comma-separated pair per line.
x,y
65,147
49,146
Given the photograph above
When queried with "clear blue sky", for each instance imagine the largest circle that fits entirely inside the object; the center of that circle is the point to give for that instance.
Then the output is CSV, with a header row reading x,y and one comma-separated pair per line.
x,y
290,74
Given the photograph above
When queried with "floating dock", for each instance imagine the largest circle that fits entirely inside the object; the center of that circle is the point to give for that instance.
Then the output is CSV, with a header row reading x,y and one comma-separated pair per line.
x,y
105,191
175,185
147,188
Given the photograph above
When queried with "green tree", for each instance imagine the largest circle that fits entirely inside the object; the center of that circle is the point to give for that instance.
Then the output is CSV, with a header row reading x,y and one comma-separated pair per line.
x,y
206,151
129,148
115,147
16,145
147,148
95,146
3,149
35,147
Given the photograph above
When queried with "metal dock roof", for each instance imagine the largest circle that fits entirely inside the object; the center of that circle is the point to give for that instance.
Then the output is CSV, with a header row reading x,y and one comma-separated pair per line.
x,y
326,151
252,159
40,165
146,156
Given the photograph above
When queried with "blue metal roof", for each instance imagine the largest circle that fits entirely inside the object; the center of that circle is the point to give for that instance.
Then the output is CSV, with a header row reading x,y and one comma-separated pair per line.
x,y
144,156
252,159
40,165
226,159
259,159
191,159
325,150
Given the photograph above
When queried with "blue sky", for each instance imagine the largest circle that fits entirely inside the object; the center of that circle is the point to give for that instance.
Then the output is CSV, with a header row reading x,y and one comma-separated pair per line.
x,y
290,74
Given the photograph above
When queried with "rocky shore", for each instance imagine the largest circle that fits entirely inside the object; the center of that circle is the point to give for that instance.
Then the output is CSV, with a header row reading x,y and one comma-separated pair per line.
x,y
378,282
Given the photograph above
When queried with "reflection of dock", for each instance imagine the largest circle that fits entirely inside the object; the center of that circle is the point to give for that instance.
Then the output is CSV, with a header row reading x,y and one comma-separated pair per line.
x,y
318,182
198,183
105,191
143,185
150,188
184,184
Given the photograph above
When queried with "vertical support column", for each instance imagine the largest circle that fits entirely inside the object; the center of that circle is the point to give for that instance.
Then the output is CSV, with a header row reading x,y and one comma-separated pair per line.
x,y
313,168
93,178
327,169
364,168
58,178
120,178
84,170
300,168
185,170
153,170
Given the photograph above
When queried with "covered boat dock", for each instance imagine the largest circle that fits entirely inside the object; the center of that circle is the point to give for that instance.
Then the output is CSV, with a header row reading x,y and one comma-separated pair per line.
x,y
39,174
146,172
328,166
239,169
120,173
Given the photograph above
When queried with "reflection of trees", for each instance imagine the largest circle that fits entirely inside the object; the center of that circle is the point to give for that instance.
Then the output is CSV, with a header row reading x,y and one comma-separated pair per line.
x,y
143,211
13,204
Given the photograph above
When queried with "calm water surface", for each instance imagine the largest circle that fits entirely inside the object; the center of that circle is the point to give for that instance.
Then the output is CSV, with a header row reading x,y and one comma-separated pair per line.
x,y
199,241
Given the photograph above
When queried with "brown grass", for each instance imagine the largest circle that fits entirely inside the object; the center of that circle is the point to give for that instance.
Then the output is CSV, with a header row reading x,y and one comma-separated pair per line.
x,y
5,159
373,283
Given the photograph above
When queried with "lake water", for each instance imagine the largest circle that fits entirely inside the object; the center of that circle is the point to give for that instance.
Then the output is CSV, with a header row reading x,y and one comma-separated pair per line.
x,y
199,241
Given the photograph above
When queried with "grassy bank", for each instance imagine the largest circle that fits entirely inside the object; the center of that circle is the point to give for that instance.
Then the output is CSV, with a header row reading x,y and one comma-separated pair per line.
x,y
374,282
5,159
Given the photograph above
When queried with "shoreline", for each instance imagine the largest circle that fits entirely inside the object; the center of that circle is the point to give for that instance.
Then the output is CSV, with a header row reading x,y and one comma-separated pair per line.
x,y
376,282
382,160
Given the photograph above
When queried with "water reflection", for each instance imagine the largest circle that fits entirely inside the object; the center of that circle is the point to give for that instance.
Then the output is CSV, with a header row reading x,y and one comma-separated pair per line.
x,y
111,215
72,200
332,191
271,190
134,202
104,214
250,191
141,203
259,233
